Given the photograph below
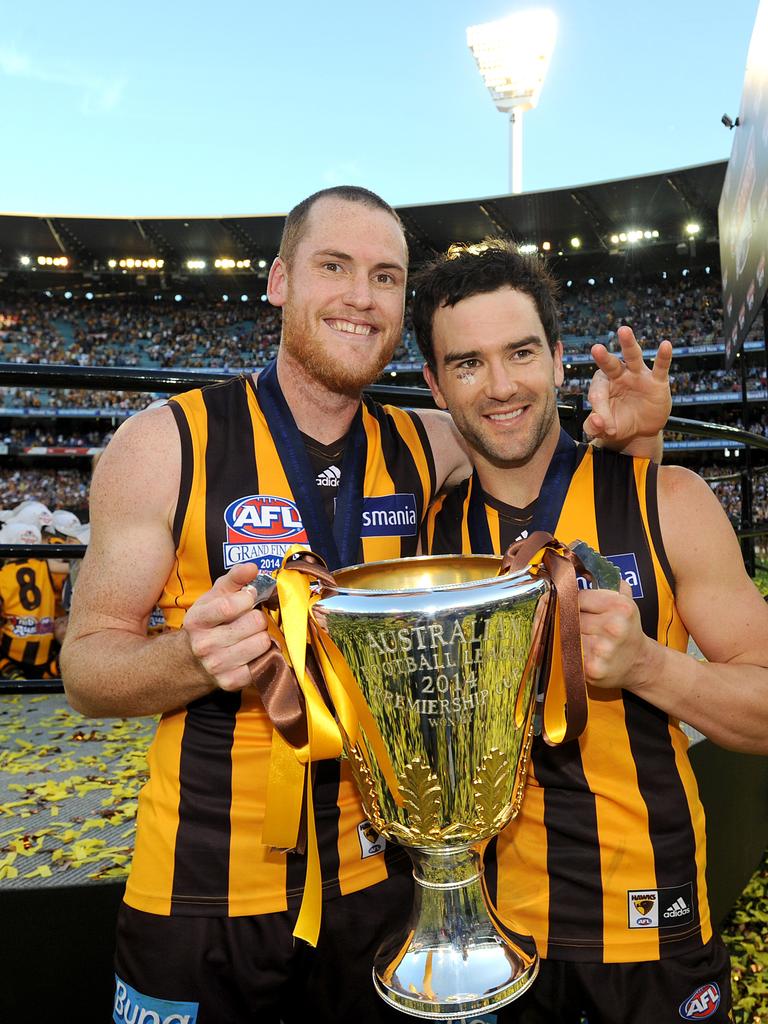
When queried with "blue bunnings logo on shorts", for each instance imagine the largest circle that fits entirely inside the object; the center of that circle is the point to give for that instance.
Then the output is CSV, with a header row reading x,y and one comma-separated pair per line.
x,y
702,1003
132,1007
391,515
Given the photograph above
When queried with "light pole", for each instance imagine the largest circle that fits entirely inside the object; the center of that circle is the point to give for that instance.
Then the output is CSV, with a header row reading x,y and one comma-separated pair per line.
x,y
513,56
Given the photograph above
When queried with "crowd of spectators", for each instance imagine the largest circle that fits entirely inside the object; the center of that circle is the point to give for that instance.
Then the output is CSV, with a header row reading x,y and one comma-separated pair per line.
x,y
237,334
727,487
242,335
59,488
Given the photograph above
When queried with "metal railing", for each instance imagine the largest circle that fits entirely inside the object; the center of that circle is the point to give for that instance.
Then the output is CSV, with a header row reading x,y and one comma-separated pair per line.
x,y
159,381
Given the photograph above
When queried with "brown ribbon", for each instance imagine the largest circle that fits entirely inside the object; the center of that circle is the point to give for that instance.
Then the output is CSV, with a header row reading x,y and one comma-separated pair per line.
x,y
562,566
281,695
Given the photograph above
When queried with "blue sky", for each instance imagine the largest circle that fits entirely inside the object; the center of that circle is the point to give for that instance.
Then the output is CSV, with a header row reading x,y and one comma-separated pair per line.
x,y
204,109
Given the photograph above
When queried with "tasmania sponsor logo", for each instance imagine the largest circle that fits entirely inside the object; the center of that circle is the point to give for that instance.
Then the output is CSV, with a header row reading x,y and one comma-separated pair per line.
x,y
627,566
371,842
390,515
702,1003
643,908
260,528
132,1007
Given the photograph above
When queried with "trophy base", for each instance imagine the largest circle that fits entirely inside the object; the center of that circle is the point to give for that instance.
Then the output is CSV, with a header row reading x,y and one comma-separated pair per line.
x,y
454,959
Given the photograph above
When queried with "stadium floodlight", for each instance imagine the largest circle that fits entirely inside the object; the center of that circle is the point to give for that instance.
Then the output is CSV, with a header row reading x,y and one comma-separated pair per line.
x,y
513,56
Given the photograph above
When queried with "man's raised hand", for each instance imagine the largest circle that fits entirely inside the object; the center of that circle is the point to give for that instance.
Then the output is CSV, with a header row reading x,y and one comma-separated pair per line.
x,y
628,399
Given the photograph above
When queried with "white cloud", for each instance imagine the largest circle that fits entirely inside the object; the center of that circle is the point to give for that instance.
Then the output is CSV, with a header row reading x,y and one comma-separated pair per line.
x,y
98,94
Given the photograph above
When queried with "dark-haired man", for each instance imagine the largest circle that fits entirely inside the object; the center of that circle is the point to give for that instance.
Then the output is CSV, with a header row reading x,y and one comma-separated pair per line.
x,y
605,863
209,490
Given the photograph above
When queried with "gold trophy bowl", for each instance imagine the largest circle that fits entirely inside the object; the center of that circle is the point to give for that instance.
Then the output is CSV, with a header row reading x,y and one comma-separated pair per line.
x,y
446,654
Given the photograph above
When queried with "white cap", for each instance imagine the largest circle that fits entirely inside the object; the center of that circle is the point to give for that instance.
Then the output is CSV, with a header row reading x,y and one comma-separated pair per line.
x,y
20,533
67,523
34,512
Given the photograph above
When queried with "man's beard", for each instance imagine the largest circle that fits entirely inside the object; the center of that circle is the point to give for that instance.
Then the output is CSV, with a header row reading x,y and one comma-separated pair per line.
x,y
524,450
343,374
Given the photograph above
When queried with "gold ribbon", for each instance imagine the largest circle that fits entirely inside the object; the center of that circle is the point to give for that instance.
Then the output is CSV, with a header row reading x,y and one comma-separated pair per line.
x,y
289,782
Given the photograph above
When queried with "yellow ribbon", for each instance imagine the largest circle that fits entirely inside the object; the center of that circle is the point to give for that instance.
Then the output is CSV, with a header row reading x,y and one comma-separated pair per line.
x,y
289,782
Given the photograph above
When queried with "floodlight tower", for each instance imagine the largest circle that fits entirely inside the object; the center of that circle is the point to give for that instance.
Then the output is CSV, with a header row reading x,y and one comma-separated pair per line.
x,y
513,56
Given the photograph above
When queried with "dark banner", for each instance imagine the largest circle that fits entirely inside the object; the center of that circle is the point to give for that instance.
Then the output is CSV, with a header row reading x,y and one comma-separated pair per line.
x,y
743,209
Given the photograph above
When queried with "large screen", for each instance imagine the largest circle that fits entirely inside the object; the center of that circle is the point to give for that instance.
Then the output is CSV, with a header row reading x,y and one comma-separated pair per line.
x,y
743,209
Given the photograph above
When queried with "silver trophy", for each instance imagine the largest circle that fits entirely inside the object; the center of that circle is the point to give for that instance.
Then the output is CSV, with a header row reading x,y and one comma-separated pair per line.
x,y
446,654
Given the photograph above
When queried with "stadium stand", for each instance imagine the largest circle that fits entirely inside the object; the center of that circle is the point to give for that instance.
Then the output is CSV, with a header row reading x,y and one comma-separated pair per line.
x,y
80,777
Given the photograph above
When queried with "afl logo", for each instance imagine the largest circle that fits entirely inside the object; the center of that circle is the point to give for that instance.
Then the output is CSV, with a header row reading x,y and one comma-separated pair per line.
x,y
263,517
702,1003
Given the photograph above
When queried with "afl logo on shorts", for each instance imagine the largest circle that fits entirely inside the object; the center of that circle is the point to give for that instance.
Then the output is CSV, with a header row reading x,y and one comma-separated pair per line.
x,y
261,528
702,1003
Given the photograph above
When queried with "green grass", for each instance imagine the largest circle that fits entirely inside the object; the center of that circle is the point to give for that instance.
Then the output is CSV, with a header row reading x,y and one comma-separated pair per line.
x,y
761,579
745,932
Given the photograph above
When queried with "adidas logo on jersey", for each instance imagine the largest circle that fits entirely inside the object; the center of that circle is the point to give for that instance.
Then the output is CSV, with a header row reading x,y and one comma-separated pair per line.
x,y
668,907
678,909
329,477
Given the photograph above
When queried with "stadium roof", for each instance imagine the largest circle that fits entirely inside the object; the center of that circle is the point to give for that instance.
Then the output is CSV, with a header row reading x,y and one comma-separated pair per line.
x,y
663,202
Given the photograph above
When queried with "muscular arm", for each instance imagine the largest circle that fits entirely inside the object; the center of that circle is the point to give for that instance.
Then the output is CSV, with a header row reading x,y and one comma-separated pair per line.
x,y
449,450
109,665
726,698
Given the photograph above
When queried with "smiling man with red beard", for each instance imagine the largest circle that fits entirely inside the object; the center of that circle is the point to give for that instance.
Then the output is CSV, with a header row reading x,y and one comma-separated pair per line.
x,y
189,503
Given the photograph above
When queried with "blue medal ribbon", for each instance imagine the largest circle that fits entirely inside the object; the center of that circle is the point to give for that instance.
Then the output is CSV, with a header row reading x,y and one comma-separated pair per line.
x,y
548,505
340,544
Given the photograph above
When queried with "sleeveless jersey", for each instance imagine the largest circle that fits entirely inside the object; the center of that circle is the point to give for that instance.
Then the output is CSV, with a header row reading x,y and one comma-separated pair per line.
x,y
606,860
198,846
28,597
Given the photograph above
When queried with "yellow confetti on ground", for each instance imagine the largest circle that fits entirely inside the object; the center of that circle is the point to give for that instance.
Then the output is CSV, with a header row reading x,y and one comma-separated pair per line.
x,y
63,779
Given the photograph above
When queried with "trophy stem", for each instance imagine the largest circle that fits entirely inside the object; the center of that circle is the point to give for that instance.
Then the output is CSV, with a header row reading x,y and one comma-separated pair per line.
x,y
454,958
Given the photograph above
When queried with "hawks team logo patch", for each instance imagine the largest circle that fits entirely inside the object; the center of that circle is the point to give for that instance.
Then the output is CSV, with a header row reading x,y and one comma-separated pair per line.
x,y
260,528
702,1003
668,907
371,842
644,908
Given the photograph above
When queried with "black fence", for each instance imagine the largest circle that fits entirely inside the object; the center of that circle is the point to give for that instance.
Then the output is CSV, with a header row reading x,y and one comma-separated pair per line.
x,y
171,382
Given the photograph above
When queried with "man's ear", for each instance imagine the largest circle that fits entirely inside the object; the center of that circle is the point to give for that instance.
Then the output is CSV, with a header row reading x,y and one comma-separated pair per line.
x,y
557,357
434,387
277,282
